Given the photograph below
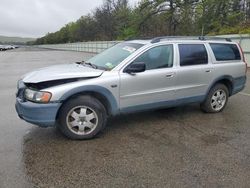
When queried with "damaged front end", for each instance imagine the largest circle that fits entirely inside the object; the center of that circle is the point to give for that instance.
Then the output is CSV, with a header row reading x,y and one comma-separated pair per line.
x,y
34,98
39,112
51,83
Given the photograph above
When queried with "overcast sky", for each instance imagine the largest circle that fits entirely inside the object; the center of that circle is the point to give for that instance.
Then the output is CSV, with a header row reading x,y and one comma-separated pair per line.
x,y
35,18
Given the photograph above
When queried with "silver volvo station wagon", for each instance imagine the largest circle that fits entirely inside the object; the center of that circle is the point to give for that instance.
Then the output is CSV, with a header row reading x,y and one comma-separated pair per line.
x,y
132,76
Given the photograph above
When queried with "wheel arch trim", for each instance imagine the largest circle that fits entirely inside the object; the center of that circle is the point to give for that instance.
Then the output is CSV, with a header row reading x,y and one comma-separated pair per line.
x,y
94,89
234,82
217,80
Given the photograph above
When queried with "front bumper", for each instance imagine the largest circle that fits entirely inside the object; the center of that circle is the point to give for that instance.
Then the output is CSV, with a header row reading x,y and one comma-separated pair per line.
x,y
43,115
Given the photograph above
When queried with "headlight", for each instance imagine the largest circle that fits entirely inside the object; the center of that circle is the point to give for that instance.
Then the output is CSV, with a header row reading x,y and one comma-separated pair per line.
x,y
37,96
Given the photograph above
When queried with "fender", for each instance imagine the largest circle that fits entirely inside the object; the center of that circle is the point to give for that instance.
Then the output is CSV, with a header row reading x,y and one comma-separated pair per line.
x,y
238,82
98,89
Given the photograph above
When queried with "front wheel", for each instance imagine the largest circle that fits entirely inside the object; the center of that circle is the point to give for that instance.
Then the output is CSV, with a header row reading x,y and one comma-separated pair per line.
x,y
82,118
216,100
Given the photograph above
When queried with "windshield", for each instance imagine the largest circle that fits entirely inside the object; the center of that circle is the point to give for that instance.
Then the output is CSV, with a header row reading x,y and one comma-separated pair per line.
x,y
111,57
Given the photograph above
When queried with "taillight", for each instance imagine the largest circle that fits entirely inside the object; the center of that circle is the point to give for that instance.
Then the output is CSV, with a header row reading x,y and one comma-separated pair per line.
x,y
243,57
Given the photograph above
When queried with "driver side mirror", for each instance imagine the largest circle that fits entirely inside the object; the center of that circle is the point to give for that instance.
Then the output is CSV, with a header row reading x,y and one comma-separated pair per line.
x,y
135,67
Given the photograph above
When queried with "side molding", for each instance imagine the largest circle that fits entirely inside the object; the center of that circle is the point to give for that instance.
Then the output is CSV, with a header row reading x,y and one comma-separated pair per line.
x,y
163,104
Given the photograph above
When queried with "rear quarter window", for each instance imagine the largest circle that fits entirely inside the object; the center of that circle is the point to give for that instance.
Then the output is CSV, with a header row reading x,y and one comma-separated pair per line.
x,y
225,52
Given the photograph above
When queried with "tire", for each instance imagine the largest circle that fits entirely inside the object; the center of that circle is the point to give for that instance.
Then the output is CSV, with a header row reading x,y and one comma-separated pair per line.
x,y
216,99
82,118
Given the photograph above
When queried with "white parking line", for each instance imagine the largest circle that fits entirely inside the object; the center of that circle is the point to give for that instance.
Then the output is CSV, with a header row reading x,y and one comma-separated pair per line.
x,y
246,94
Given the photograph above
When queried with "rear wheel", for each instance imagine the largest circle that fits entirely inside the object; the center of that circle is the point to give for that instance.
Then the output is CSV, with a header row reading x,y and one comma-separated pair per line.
x,y
216,99
82,118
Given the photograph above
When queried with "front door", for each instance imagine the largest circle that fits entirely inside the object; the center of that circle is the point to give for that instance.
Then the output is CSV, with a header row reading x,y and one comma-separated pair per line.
x,y
151,88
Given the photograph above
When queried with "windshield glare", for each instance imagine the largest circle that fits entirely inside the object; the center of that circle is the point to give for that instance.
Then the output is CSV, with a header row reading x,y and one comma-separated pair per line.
x,y
113,56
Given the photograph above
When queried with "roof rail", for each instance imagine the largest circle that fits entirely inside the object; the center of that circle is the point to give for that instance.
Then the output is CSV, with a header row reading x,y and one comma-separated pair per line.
x,y
214,38
158,39
138,38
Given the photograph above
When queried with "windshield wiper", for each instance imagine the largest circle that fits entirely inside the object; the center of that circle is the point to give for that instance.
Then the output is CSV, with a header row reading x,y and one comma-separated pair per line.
x,y
92,65
88,64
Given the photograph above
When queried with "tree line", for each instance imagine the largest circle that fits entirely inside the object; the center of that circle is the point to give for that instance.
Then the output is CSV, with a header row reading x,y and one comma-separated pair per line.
x,y
117,20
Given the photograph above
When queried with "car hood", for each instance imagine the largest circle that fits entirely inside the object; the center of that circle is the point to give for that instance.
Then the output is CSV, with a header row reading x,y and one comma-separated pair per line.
x,y
59,72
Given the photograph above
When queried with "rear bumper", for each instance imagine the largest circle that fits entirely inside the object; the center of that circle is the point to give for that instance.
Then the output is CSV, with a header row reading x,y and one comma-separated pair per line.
x,y
239,84
43,115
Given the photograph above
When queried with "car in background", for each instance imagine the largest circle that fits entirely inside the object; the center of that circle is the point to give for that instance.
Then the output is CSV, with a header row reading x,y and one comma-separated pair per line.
x,y
10,47
2,48
6,47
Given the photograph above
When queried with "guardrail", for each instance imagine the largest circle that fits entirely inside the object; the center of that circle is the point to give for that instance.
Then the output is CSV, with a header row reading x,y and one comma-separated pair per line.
x,y
99,46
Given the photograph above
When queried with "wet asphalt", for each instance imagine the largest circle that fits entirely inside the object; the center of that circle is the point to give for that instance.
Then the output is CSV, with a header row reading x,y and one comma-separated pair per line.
x,y
176,147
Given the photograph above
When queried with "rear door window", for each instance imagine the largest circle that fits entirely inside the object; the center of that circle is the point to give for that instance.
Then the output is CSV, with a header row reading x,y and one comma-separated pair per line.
x,y
192,54
225,52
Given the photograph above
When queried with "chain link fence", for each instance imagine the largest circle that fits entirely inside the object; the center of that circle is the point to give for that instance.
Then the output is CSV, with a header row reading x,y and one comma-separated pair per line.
x,y
92,47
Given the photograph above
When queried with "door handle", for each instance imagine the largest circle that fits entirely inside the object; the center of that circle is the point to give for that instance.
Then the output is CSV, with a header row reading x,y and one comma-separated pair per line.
x,y
170,75
208,71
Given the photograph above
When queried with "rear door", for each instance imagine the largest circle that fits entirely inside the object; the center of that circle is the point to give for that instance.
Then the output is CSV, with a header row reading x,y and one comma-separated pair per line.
x,y
195,71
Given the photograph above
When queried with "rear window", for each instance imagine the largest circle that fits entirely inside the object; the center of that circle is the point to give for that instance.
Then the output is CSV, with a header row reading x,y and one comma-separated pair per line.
x,y
193,54
225,52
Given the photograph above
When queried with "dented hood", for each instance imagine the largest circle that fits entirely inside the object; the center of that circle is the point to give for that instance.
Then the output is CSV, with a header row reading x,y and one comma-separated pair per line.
x,y
59,72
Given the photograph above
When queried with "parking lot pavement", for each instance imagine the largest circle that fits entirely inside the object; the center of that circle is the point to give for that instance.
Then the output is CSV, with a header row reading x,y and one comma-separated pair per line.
x,y
177,147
